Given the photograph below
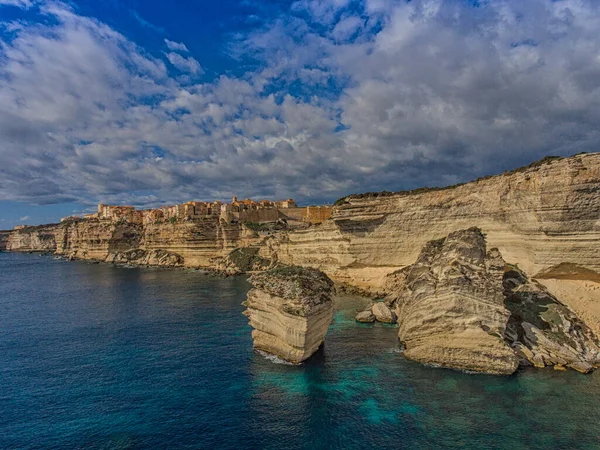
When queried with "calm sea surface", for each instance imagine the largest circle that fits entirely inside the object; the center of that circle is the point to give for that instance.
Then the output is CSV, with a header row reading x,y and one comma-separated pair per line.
x,y
101,357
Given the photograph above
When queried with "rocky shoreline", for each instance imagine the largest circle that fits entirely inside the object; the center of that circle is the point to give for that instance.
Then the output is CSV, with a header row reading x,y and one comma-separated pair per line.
x,y
479,276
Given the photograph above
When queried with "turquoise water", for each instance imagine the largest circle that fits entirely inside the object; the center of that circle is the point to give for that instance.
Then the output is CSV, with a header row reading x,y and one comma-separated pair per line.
x,y
101,357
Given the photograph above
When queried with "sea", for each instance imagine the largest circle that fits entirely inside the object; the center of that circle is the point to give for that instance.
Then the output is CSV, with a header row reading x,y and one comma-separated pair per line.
x,y
95,356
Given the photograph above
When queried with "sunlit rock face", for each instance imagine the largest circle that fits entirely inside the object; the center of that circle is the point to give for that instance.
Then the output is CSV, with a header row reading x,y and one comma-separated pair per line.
x,y
450,306
32,239
188,243
538,216
290,309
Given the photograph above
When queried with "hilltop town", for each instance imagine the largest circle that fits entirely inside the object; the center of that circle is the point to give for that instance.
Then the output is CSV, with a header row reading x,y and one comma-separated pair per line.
x,y
245,211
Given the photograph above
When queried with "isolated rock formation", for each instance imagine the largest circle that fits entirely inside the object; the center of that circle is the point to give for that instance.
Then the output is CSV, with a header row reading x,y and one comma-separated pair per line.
x,y
290,309
461,306
450,306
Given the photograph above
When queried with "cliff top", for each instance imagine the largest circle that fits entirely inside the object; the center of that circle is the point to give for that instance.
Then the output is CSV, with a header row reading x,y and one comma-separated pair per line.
x,y
530,167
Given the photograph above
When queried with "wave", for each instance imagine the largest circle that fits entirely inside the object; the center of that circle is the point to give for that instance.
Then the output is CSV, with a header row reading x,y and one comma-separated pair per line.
x,y
274,359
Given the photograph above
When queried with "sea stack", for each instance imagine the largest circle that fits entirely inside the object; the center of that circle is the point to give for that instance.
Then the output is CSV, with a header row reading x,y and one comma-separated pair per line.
x,y
450,306
290,309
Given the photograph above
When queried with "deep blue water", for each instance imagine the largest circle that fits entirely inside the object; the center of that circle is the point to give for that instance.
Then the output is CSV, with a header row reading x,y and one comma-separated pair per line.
x,y
101,357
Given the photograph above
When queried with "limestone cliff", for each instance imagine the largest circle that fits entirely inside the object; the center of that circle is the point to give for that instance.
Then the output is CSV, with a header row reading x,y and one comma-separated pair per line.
x,y
32,239
198,242
539,216
190,243
290,309
450,306
4,239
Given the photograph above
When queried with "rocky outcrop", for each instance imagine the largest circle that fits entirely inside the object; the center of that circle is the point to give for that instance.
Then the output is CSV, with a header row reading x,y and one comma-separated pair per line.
x,y
153,258
539,216
243,260
450,306
543,330
96,239
290,309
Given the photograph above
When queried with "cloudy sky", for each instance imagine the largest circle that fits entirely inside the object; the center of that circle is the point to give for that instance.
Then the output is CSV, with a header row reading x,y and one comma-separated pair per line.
x,y
148,102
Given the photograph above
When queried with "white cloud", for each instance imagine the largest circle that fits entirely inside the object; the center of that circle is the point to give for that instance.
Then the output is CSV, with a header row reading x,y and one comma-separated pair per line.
x,y
188,65
176,46
394,96
24,219
19,3
143,22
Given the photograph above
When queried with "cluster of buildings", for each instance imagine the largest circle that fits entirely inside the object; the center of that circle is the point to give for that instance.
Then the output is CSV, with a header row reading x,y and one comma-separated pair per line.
x,y
246,210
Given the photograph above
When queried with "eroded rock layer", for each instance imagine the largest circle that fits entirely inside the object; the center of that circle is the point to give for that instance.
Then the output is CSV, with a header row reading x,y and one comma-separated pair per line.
x,y
290,309
32,239
543,330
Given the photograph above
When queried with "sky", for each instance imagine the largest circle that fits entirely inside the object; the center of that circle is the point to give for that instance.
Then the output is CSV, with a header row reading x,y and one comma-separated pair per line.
x,y
147,102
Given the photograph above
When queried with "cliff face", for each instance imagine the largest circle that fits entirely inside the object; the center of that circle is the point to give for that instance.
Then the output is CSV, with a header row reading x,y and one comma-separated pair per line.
x,y
32,239
540,216
198,242
192,243
290,309
4,239
95,239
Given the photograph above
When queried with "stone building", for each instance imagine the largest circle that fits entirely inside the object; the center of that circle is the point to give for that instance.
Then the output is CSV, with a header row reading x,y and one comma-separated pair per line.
x,y
119,213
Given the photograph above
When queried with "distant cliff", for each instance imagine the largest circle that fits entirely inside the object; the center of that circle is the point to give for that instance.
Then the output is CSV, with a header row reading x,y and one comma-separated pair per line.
x,y
193,243
538,216
3,239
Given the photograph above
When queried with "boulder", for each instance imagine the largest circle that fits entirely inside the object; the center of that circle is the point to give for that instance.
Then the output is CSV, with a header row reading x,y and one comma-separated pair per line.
x,y
383,313
365,316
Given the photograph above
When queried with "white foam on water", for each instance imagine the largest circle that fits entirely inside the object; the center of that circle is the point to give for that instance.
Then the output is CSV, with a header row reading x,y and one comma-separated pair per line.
x,y
274,359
